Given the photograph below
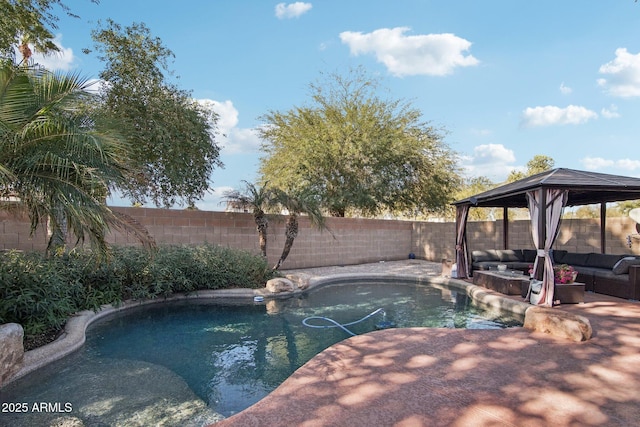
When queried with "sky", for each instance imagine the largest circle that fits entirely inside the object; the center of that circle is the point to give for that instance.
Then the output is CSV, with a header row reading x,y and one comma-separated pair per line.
x,y
504,80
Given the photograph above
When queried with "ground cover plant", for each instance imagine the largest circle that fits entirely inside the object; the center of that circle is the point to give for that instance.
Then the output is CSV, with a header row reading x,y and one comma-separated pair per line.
x,y
40,293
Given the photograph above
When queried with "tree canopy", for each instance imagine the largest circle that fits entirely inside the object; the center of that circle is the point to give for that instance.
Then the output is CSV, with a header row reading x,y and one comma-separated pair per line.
x,y
172,136
358,153
55,163
29,21
538,164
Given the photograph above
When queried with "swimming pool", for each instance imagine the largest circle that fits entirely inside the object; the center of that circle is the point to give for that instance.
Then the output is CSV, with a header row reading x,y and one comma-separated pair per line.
x,y
204,358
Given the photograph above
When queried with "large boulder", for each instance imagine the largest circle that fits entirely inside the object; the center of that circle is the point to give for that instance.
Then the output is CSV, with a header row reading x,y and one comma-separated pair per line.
x,y
11,350
280,284
558,323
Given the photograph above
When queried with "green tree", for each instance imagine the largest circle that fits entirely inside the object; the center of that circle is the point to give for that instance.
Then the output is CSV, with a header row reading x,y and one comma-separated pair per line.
x,y
54,161
623,208
296,204
24,22
587,211
515,175
258,199
538,164
358,152
172,136
471,187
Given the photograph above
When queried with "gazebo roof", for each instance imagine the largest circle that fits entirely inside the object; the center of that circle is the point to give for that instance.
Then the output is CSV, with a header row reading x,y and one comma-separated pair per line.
x,y
584,188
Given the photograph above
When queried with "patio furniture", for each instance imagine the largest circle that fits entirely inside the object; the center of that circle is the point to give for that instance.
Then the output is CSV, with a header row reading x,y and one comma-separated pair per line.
x,y
506,282
614,275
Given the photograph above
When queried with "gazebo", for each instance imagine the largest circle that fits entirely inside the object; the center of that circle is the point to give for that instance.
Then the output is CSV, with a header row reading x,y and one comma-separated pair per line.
x,y
545,194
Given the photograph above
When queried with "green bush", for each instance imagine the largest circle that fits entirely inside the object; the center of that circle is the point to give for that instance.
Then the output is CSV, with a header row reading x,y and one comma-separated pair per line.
x,y
41,293
34,293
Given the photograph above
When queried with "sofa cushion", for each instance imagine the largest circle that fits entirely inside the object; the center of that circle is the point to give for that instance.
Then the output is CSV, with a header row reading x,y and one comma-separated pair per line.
x,y
558,256
603,260
487,255
573,258
510,255
622,266
529,255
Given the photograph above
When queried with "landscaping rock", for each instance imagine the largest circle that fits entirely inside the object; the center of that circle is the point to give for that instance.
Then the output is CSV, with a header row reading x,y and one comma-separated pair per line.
x,y
301,280
11,350
280,284
558,323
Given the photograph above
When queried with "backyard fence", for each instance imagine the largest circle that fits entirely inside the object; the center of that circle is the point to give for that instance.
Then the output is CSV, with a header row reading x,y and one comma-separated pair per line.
x,y
348,240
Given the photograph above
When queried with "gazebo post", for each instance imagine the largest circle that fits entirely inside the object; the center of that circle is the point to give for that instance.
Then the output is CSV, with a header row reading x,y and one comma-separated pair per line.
x,y
542,231
505,227
603,227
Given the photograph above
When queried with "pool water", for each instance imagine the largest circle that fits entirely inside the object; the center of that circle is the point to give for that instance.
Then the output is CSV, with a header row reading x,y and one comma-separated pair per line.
x,y
232,354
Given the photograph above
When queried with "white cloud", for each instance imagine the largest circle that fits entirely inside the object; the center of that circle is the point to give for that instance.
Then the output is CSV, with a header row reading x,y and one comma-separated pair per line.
x,y
62,60
213,200
594,163
231,138
292,10
624,75
565,90
493,153
430,54
552,115
628,164
96,86
610,113
494,161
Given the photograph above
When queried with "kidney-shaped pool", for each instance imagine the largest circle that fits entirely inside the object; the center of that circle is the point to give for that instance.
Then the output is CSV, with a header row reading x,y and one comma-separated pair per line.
x,y
204,358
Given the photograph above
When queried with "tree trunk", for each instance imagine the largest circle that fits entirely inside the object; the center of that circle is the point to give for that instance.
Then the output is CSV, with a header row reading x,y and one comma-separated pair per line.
x,y
291,232
57,233
261,225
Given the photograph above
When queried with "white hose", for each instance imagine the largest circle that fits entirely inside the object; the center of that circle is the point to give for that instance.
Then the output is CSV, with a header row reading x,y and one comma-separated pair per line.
x,y
335,324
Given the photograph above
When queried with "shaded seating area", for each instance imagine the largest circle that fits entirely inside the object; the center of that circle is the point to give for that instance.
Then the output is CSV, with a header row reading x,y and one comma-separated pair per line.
x,y
546,195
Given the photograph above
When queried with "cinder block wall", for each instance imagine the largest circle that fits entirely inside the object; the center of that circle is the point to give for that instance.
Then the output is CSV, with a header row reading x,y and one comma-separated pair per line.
x,y
351,240
574,235
347,240
15,233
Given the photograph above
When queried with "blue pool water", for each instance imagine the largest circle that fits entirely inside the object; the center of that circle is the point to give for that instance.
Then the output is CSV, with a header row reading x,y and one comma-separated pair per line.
x,y
232,354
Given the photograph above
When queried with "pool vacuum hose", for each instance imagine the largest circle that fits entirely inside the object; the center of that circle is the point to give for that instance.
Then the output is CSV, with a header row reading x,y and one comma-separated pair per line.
x,y
333,324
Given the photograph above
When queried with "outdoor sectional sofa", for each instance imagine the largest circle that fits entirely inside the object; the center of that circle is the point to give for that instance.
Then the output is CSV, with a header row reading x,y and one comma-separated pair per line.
x,y
615,275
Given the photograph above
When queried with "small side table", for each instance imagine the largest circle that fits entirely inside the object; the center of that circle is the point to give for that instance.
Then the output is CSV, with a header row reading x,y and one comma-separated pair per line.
x,y
569,293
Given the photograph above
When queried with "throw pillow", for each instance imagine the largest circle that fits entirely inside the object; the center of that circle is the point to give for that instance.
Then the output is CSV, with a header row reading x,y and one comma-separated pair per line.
x,y
622,266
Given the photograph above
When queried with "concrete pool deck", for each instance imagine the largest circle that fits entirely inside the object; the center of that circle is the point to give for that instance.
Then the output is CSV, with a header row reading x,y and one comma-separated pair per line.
x,y
466,378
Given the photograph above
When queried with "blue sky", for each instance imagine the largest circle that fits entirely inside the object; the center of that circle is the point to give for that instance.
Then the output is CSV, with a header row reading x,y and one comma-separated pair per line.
x,y
506,79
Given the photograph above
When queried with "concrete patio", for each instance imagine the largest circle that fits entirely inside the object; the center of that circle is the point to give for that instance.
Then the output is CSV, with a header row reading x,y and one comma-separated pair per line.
x,y
453,377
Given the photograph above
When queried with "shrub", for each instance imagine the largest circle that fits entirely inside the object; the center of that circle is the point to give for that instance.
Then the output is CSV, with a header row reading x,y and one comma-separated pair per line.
x,y
34,293
42,293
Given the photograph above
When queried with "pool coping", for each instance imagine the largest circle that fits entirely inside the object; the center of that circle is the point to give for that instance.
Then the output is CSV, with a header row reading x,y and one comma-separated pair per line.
x,y
74,335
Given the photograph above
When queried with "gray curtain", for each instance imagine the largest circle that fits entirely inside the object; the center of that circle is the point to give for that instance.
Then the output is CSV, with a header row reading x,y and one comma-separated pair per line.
x,y
462,255
545,208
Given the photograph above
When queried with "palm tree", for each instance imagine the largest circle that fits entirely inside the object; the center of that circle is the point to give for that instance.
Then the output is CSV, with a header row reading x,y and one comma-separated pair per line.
x,y
258,199
296,204
57,162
